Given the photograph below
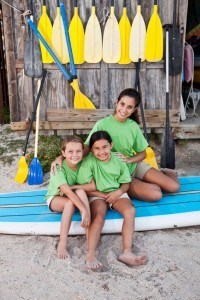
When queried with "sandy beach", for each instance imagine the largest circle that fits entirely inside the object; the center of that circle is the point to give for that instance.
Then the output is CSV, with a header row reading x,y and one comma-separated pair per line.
x,y
30,269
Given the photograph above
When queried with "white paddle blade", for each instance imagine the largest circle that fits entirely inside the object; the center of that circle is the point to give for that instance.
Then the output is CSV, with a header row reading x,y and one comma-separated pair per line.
x,y
59,44
111,41
93,41
137,39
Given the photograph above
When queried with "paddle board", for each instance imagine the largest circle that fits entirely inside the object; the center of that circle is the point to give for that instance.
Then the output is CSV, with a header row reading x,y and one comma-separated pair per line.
x,y
26,213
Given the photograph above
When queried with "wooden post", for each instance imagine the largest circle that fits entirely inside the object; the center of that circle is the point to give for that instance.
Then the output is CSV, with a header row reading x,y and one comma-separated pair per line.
x,y
10,63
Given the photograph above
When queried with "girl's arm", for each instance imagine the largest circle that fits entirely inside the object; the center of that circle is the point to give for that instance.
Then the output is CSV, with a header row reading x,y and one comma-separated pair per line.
x,y
140,156
97,194
66,189
87,187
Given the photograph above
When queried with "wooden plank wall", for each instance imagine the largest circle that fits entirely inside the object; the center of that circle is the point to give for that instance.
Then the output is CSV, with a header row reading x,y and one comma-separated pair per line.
x,y
101,82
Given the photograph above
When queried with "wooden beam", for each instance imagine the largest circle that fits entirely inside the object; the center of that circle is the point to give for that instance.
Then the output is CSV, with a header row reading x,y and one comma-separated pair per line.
x,y
154,117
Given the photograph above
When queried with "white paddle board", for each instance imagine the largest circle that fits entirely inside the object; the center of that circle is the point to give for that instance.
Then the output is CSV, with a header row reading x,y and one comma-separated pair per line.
x,y
26,213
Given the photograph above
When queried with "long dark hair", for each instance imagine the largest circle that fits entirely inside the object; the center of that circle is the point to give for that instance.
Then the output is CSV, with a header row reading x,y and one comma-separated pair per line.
x,y
99,135
132,93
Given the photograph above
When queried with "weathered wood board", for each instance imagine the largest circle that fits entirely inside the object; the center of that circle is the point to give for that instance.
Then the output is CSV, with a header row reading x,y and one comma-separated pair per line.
x,y
100,82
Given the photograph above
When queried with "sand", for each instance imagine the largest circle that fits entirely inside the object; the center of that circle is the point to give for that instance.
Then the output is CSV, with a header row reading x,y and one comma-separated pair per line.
x,y
29,268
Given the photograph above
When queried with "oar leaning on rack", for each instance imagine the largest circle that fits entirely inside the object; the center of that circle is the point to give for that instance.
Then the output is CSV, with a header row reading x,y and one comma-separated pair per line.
x,y
79,97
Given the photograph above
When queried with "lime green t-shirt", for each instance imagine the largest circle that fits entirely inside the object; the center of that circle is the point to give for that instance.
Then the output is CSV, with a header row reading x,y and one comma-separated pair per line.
x,y
63,175
127,137
108,176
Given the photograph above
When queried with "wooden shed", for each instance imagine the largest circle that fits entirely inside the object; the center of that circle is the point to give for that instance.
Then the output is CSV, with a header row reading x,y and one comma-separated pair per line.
x,y
101,82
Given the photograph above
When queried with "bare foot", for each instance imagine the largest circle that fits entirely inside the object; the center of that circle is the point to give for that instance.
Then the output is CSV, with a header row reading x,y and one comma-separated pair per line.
x,y
93,263
130,259
62,251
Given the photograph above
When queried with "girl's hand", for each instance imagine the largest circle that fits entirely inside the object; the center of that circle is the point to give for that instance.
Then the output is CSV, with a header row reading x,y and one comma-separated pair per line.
x,y
85,219
58,161
124,158
114,196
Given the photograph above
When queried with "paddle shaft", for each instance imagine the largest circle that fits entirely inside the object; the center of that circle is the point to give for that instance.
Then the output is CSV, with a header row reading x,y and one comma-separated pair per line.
x,y
34,110
66,28
137,85
40,37
168,128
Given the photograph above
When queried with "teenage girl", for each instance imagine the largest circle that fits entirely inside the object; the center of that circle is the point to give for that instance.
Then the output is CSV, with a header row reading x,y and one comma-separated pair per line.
x,y
61,183
147,183
112,179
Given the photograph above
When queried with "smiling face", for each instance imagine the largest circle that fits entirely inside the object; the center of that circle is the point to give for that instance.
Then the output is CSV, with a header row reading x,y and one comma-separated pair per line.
x,y
124,108
73,153
101,150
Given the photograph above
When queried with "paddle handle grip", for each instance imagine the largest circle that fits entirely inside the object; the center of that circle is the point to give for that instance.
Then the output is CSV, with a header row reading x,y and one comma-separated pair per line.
x,y
75,3
69,46
112,2
45,44
44,73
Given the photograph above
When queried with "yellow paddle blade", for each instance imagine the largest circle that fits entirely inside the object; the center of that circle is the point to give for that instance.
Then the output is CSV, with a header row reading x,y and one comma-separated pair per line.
x,y
125,29
76,33
93,40
150,158
154,38
22,171
45,28
111,40
58,39
137,37
80,100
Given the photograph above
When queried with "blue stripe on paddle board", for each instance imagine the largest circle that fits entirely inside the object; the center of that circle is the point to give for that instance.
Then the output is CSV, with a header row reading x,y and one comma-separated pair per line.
x,y
168,205
33,197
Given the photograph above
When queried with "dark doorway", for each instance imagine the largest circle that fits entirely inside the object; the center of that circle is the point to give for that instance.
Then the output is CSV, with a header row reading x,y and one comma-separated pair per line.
x,y
4,101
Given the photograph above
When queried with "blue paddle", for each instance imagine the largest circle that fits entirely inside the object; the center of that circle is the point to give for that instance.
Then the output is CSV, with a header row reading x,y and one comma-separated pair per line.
x,y
35,175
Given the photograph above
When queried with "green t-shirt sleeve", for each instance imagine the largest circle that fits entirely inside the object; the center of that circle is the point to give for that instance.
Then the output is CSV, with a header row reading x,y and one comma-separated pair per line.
x,y
85,174
59,178
124,173
140,143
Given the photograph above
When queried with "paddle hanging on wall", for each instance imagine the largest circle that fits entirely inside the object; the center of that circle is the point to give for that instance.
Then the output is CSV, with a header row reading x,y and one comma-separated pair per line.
x,y
58,38
32,54
111,39
125,29
137,36
154,37
76,32
175,45
80,100
93,39
45,27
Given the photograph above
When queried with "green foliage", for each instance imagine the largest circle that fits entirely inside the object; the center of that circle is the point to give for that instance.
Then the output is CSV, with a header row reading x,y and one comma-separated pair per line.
x,y
48,150
6,114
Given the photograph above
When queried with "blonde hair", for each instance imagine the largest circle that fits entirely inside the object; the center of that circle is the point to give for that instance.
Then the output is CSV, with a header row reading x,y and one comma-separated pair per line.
x,y
71,138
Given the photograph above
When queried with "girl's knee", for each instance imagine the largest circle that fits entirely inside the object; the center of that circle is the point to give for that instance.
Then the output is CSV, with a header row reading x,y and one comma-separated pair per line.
x,y
156,195
99,219
70,205
129,212
174,187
